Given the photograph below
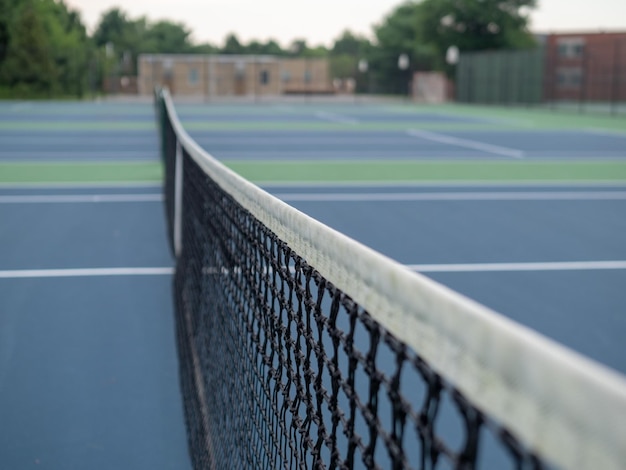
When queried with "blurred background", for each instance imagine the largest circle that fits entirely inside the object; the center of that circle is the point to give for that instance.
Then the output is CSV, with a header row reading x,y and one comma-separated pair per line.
x,y
507,52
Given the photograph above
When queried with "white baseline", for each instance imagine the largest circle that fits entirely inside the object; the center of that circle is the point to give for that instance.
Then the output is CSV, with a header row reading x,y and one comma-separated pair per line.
x,y
79,198
457,196
85,272
503,267
472,144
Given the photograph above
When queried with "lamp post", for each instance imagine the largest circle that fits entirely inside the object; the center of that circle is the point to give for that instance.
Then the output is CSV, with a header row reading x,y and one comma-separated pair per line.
x,y
109,52
403,65
363,67
452,58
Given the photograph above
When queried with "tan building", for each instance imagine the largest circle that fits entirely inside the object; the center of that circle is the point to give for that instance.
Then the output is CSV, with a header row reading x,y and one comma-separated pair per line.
x,y
232,75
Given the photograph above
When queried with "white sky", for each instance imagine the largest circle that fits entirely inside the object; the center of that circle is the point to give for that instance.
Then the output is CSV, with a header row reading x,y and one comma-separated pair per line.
x,y
321,21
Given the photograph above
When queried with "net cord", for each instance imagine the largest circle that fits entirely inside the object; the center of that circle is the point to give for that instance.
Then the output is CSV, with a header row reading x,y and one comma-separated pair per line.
x,y
567,408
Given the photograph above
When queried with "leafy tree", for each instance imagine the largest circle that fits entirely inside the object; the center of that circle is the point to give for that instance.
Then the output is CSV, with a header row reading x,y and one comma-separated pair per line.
x,y
204,48
316,51
7,10
232,45
28,67
68,46
166,37
113,28
424,31
473,25
348,49
399,33
297,48
271,47
351,44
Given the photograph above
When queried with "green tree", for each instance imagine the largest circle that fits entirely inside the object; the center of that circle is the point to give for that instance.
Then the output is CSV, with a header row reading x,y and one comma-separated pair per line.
x,y
348,49
120,40
28,68
113,28
204,48
232,45
474,25
425,30
271,47
7,10
68,46
351,44
166,37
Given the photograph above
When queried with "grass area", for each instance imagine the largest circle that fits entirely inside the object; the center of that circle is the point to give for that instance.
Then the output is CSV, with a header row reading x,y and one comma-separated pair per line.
x,y
71,172
431,171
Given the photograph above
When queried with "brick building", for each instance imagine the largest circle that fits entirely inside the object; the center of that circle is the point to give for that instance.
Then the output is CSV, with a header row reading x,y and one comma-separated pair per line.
x,y
232,75
585,67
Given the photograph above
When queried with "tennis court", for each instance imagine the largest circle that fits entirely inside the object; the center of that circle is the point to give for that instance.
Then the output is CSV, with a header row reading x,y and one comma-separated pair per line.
x,y
521,210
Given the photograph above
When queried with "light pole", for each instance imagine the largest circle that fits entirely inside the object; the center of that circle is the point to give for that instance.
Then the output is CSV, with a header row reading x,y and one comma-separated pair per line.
x,y
403,65
109,51
452,58
362,66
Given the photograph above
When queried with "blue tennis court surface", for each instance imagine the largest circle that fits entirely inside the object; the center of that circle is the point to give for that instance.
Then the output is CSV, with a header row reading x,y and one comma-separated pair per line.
x,y
88,373
533,254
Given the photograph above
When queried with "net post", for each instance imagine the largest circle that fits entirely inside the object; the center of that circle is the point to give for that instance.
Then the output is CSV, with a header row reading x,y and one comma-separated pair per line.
x,y
178,200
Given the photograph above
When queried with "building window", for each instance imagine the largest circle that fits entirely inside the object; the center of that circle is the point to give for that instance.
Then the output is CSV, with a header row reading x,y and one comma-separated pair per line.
x,y
569,77
194,76
571,48
264,77
240,70
286,76
307,76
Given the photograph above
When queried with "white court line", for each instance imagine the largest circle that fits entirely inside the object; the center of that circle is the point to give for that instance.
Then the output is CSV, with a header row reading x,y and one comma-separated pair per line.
x,y
268,185
115,154
458,196
87,272
82,184
43,139
472,144
501,267
423,268
79,198
335,118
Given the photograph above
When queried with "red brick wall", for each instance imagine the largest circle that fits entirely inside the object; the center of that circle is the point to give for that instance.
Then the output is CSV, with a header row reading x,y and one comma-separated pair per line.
x,y
601,66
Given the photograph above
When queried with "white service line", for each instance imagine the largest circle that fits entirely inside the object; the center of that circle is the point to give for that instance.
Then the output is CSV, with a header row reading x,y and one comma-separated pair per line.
x,y
457,196
42,140
79,198
472,144
87,272
336,118
511,267
94,155
422,268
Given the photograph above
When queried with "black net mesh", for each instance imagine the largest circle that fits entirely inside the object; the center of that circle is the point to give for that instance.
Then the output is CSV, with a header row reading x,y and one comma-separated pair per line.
x,y
280,369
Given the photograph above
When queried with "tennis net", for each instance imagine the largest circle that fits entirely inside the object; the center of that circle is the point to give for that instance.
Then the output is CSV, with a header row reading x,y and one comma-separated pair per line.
x,y
301,348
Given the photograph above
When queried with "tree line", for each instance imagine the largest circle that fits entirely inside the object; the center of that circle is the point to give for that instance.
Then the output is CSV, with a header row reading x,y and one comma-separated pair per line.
x,y
46,51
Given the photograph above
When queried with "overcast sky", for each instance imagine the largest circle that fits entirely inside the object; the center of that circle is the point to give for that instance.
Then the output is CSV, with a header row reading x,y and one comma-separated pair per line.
x,y
321,21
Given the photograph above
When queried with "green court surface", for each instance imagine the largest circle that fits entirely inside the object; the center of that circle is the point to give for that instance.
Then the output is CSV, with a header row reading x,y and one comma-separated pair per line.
x,y
431,171
79,172
339,172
